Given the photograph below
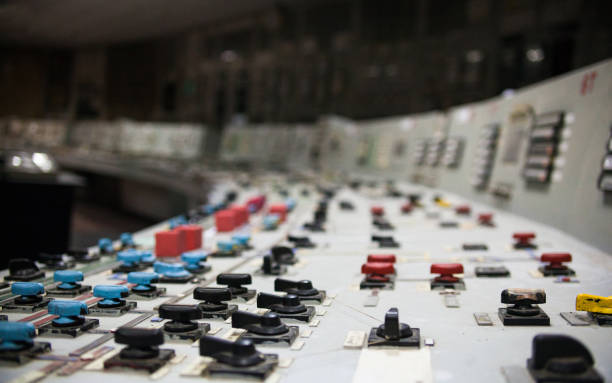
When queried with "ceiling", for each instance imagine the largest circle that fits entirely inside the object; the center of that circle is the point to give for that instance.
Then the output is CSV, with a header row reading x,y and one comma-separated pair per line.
x,y
87,22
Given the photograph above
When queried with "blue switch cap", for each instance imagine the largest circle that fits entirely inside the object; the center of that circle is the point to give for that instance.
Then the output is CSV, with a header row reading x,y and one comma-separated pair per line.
x,y
208,209
290,202
64,308
177,221
105,244
194,257
226,245
69,276
129,257
11,332
147,256
142,277
27,288
171,270
111,291
271,220
241,239
126,239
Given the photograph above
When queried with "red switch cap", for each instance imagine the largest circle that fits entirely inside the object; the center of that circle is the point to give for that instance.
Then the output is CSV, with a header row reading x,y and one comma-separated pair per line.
x,y
381,268
169,243
463,209
280,209
193,236
242,213
377,210
446,271
485,217
256,203
524,237
385,258
225,220
407,207
556,259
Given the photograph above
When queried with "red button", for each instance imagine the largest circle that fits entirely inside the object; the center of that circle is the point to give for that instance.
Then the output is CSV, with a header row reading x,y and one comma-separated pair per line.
x,y
242,213
407,207
463,209
377,210
169,243
556,259
485,217
256,203
380,268
524,237
193,236
225,220
385,258
446,271
279,209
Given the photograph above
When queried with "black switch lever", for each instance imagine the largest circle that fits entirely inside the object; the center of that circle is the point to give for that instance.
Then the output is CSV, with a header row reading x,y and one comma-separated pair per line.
x,y
23,269
267,324
561,358
271,267
394,333
523,310
142,343
301,288
181,317
302,242
283,255
235,282
241,353
288,304
213,297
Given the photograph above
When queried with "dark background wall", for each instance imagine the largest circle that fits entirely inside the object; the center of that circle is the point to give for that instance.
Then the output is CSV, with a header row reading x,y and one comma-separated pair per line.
x,y
295,60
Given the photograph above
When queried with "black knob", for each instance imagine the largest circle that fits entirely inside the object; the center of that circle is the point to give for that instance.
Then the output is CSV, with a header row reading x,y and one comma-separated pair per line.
x,y
241,353
142,343
22,267
382,238
181,317
235,282
282,253
288,304
269,265
267,324
560,354
301,288
212,294
392,329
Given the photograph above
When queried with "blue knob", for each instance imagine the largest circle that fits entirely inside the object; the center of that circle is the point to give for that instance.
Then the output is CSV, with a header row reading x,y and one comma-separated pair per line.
x,y
270,221
142,280
226,245
112,294
170,270
69,278
177,221
16,335
241,239
147,256
208,209
105,245
69,312
290,202
27,288
129,257
126,239
193,259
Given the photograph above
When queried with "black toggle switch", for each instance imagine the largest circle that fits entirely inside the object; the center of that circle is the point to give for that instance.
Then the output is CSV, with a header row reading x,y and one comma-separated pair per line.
x,y
346,205
181,326
523,310
385,241
303,289
266,328
239,358
288,306
284,255
55,261
561,358
142,351
301,242
382,224
235,281
23,270
213,306
271,267
394,333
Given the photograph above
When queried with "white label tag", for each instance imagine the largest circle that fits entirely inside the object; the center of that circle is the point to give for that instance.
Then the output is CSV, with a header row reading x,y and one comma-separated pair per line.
x,y
354,339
